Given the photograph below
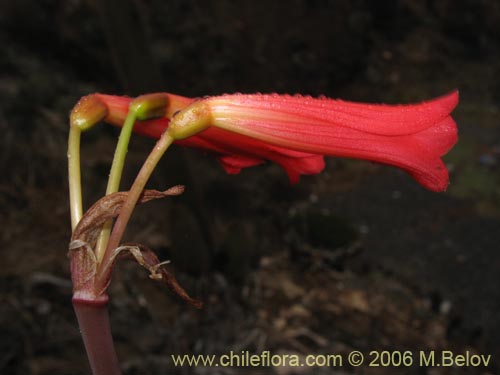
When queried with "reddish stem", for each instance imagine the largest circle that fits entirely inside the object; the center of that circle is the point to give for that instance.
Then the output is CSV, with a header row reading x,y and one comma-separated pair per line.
x,y
93,319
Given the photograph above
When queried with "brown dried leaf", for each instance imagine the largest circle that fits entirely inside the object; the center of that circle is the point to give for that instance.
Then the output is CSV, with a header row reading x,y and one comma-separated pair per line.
x,y
81,249
83,264
109,207
148,259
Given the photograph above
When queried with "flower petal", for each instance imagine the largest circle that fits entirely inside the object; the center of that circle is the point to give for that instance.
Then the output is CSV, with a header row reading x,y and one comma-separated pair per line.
x,y
417,148
237,151
324,112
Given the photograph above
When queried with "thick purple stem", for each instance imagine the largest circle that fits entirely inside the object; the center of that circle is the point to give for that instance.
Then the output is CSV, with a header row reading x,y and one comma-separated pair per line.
x,y
93,319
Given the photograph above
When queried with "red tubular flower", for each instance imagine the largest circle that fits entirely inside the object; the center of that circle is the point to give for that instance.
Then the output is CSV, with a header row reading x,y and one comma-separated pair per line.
x,y
297,131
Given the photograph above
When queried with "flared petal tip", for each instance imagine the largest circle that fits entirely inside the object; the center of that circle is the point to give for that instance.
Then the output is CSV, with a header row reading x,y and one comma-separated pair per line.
x,y
438,182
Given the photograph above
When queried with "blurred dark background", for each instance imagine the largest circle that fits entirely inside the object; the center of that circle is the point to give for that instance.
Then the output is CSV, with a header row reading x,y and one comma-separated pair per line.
x,y
359,257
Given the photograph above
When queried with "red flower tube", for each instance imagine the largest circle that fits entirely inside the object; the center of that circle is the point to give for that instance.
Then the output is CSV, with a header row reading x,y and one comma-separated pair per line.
x,y
297,131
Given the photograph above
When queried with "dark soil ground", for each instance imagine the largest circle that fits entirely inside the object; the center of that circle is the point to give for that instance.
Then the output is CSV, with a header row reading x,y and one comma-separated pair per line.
x,y
357,258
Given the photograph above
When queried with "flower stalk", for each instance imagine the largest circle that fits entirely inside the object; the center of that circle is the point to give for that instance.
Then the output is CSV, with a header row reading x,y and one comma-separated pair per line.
x,y
93,320
75,184
88,112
